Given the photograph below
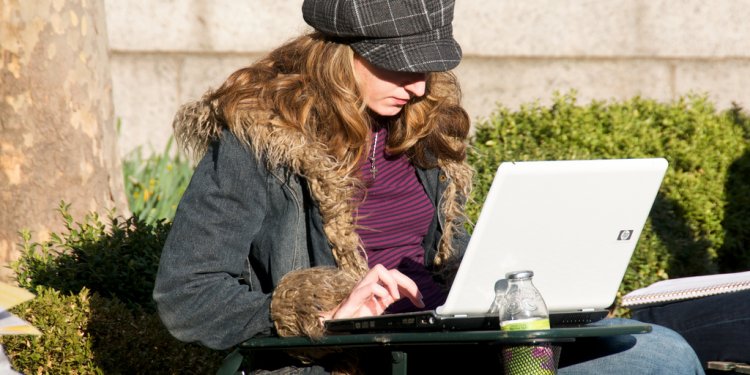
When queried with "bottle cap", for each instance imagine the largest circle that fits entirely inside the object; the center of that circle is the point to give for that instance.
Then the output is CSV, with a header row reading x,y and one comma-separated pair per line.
x,y
515,275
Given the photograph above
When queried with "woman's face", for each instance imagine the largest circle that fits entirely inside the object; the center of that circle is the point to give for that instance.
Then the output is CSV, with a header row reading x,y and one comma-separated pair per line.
x,y
385,92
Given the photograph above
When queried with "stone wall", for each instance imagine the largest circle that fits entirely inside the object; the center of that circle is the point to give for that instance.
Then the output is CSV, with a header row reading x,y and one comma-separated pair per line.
x,y
166,52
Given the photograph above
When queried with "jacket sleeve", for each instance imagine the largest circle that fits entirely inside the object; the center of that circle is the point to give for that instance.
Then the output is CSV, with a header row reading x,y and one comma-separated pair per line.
x,y
302,295
198,291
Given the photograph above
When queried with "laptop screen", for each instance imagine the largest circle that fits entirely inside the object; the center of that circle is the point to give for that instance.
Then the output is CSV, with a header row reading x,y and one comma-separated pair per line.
x,y
575,223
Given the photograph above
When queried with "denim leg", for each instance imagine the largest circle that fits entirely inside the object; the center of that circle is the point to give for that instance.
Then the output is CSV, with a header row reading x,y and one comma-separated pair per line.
x,y
662,351
717,327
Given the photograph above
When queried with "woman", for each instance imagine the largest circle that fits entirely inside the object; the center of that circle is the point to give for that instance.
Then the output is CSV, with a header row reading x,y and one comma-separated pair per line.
x,y
331,184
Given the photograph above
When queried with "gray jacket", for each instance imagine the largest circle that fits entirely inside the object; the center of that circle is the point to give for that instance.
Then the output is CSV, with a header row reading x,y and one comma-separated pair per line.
x,y
238,229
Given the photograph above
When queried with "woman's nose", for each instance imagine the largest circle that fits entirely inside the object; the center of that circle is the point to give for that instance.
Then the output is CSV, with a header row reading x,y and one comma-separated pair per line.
x,y
416,86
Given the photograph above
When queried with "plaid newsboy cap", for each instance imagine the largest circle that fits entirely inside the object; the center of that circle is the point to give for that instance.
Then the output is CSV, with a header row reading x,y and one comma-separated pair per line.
x,y
400,35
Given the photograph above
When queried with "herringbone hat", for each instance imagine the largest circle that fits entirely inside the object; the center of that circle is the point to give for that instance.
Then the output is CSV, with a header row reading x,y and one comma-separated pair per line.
x,y
400,35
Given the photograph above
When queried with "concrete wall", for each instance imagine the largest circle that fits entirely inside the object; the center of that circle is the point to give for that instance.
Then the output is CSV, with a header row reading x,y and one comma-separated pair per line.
x,y
167,52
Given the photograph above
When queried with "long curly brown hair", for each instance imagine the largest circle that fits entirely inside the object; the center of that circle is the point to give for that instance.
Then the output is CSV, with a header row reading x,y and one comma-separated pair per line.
x,y
308,84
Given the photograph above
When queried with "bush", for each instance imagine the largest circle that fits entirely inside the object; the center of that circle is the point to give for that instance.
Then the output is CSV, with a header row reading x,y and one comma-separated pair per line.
x,y
734,255
119,331
64,346
94,305
702,196
88,334
118,259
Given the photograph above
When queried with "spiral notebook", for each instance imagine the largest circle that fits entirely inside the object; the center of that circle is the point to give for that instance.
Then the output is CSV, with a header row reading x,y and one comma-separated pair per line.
x,y
575,223
687,288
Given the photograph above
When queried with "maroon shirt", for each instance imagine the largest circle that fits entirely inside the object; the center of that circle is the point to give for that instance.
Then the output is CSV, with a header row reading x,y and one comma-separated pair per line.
x,y
392,221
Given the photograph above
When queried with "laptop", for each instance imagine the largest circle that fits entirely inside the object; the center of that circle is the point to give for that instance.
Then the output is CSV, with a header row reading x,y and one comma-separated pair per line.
x,y
574,223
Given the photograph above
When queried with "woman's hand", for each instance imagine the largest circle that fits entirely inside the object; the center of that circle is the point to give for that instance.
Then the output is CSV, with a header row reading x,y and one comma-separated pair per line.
x,y
374,293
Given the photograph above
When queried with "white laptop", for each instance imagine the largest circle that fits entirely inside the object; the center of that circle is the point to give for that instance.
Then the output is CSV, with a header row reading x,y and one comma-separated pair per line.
x,y
575,223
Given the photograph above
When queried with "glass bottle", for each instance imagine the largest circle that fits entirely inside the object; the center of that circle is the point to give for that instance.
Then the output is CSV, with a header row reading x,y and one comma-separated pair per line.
x,y
522,306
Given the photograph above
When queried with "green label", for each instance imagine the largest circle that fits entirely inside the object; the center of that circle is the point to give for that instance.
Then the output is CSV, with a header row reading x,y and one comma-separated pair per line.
x,y
525,324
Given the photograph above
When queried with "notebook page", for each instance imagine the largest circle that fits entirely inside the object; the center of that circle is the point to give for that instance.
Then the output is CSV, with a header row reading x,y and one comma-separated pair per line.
x,y
687,287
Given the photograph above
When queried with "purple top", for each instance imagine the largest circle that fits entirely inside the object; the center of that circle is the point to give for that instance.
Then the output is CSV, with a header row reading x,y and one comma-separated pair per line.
x,y
393,220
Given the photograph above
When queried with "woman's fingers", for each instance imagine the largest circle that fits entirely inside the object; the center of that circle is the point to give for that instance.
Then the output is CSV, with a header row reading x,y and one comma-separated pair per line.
x,y
375,306
381,275
408,288
369,295
377,290
397,283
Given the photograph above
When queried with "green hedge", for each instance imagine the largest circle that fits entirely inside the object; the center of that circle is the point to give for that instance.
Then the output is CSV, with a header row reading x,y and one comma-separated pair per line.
x,y
699,222
117,259
85,333
64,347
94,307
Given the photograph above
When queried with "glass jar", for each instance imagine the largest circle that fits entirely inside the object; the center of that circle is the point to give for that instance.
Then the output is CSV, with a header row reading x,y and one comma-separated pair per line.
x,y
522,306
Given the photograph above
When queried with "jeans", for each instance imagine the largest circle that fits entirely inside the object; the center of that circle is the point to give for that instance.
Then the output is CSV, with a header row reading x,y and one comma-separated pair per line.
x,y
717,327
662,351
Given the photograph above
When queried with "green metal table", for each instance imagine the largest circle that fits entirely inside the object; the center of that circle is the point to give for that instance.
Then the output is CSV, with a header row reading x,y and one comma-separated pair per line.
x,y
398,342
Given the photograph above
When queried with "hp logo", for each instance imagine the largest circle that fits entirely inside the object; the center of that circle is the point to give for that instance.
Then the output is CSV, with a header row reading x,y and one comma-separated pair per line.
x,y
625,235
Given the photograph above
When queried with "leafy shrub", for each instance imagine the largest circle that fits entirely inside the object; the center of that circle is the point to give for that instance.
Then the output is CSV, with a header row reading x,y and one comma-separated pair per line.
x,y
119,331
94,306
734,255
118,259
155,184
701,195
85,333
64,347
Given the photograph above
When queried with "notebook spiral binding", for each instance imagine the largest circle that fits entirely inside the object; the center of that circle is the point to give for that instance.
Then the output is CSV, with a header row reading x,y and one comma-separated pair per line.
x,y
687,288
